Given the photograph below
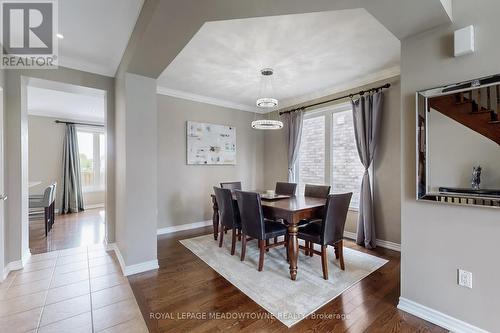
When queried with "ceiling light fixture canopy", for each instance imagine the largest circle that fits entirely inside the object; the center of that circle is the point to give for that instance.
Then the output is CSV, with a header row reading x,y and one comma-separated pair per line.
x,y
266,89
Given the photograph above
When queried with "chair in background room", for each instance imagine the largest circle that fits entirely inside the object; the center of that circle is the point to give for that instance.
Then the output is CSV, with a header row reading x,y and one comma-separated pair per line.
x,y
285,188
231,185
47,202
329,232
254,225
229,216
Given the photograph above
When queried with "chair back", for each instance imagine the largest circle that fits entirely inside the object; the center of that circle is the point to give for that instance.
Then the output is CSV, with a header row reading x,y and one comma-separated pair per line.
x,y
47,196
285,188
231,185
228,214
54,192
317,191
252,219
333,225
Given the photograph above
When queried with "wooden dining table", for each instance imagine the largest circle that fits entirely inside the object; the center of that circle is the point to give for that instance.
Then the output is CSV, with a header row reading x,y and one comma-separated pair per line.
x,y
292,210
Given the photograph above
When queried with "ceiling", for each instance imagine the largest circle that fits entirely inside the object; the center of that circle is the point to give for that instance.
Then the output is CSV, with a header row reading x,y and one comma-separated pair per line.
x,y
313,55
65,101
95,33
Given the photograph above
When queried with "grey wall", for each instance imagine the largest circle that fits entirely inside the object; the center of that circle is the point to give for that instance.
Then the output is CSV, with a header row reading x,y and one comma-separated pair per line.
x,y
2,158
437,239
184,190
136,158
46,139
17,149
387,165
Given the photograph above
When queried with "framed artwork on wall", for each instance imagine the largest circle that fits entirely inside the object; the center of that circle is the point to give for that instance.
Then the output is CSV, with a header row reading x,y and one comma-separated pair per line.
x,y
210,144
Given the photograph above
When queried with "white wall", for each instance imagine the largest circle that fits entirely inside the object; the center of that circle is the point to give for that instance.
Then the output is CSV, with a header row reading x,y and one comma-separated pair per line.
x,y
46,140
184,190
454,149
437,238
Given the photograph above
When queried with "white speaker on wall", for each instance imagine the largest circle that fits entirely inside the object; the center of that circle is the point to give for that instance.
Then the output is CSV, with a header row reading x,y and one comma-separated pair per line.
x,y
464,41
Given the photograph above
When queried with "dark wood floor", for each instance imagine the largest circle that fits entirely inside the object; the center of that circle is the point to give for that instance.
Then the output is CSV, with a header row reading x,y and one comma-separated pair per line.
x,y
185,284
72,230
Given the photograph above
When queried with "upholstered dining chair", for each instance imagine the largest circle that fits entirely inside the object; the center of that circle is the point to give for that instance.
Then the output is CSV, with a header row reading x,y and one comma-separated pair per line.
x,y
231,185
254,226
47,202
285,188
317,191
329,232
229,216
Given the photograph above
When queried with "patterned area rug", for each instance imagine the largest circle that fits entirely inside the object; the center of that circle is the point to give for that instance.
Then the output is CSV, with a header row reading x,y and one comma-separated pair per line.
x,y
289,301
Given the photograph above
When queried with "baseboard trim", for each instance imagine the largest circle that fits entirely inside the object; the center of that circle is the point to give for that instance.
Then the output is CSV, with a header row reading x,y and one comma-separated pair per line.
x,y
132,269
448,322
382,243
93,206
189,226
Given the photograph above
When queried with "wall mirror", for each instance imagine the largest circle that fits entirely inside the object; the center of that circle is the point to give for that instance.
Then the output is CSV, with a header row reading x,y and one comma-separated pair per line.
x,y
458,143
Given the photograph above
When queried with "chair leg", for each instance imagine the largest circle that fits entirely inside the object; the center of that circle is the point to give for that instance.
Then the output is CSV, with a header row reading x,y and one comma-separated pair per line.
x,y
243,246
337,251
306,248
341,255
221,236
286,247
275,240
311,249
267,244
46,218
262,247
324,261
233,241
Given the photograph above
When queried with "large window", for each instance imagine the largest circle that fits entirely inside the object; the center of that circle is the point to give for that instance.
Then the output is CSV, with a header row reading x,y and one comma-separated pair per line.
x,y
91,145
328,152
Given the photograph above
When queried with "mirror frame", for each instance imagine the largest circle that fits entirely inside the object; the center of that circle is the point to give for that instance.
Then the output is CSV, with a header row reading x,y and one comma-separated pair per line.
x,y
423,192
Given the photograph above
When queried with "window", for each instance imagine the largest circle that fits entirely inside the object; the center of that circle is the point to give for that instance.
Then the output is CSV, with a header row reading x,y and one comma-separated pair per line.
x,y
92,151
328,152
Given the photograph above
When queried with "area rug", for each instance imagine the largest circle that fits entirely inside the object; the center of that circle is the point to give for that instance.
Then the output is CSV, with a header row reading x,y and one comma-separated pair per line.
x,y
288,301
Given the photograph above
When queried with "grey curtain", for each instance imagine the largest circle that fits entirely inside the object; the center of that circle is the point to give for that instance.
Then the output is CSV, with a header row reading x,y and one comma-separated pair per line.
x,y
72,186
367,114
293,121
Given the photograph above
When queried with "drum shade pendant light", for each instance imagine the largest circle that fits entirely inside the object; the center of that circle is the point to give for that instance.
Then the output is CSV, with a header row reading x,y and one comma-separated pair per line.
x,y
266,101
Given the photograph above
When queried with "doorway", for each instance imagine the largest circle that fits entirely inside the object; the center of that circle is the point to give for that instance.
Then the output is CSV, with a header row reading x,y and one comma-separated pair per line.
x,y
66,165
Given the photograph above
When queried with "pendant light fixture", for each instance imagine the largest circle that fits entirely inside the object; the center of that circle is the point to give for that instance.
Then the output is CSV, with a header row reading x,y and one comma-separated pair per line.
x,y
267,101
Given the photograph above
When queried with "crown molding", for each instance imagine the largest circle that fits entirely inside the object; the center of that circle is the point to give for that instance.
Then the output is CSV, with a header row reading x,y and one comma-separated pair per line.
x,y
205,99
365,80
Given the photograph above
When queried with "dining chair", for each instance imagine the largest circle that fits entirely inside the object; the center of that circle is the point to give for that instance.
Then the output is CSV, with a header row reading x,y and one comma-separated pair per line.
x,y
329,232
254,226
231,185
317,191
45,201
229,216
285,188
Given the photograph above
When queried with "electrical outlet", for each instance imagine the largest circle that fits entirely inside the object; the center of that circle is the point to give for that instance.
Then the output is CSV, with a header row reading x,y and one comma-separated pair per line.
x,y
464,278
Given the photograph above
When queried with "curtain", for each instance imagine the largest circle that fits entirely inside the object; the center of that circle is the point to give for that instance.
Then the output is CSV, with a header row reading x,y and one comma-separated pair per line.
x,y
72,186
367,113
294,126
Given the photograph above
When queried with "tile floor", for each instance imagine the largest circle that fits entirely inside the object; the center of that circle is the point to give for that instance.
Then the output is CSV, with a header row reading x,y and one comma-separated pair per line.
x,y
74,290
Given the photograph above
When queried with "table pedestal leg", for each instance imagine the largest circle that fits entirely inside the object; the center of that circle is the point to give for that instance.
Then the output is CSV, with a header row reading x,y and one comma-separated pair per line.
x,y
293,249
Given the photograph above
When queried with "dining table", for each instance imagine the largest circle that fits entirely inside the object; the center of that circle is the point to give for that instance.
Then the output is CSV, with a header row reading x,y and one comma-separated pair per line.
x,y
290,209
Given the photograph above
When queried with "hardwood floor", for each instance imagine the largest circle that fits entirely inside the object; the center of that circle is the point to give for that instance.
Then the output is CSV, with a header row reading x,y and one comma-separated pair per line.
x,y
184,284
72,230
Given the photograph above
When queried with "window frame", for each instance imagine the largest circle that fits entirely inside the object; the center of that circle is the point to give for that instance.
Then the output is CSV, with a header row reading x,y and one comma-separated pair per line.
x,y
99,184
327,112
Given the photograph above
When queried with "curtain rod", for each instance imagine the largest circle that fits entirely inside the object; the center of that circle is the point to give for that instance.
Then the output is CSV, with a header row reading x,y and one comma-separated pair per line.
x,y
361,93
75,123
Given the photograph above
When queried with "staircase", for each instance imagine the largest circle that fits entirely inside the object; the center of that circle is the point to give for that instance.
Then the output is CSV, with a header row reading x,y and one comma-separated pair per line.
x,y
475,109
